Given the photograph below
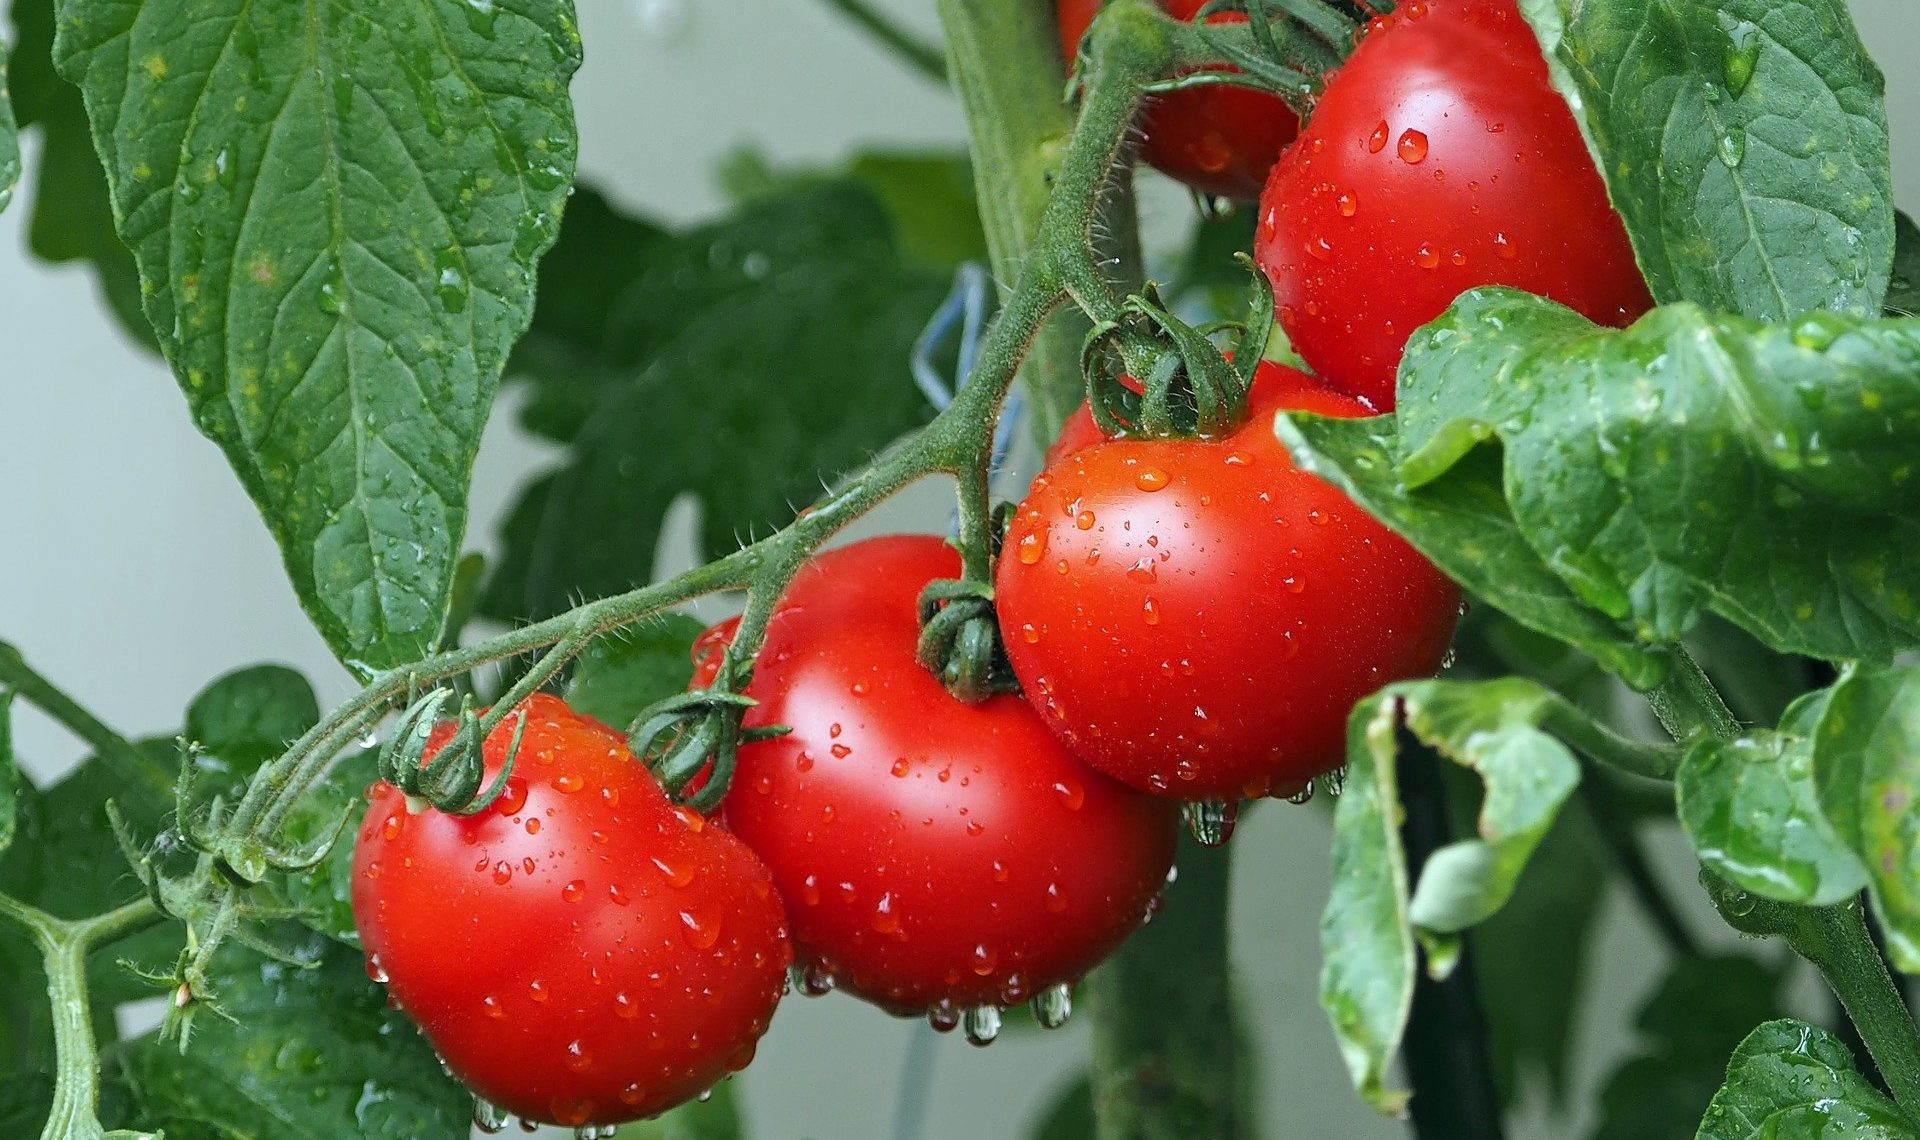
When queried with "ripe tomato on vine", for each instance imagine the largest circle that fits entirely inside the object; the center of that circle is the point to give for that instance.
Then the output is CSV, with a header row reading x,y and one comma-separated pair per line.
x,y
582,950
1438,159
1196,617
934,856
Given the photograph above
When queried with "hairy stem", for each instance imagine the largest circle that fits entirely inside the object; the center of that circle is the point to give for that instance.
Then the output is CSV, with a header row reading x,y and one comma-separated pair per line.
x,y
64,946
1833,938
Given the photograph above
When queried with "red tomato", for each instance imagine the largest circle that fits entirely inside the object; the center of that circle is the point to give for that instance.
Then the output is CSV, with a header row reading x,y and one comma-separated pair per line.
x,y
934,855
583,951
1438,160
1197,618
1219,140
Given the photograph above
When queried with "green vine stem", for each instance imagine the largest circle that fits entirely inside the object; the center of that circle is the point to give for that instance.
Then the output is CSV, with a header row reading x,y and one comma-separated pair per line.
x,y
1169,1057
1833,938
64,946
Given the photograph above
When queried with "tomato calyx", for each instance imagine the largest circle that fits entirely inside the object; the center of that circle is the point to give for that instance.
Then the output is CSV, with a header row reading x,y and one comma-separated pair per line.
x,y
450,782
691,741
1187,386
960,640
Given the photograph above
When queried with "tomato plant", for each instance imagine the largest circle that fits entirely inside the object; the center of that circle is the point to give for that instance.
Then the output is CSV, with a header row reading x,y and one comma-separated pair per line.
x,y
1438,160
1218,139
580,950
1605,320
1196,617
936,857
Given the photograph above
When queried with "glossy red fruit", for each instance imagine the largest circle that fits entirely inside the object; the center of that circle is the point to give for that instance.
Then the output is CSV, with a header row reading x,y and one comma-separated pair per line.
x,y
934,856
583,951
1197,618
1438,160
1219,140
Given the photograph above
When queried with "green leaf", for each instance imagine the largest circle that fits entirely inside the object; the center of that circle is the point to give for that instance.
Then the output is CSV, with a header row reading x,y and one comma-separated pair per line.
x,y
248,717
312,1054
716,1118
336,213
1903,292
623,672
928,194
1866,762
747,361
9,138
1689,1025
1791,1079
1751,810
1460,520
1745,142
1690,463
1367,932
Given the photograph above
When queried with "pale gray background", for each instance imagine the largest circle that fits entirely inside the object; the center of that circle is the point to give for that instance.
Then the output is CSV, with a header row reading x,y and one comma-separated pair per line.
x,y
134,569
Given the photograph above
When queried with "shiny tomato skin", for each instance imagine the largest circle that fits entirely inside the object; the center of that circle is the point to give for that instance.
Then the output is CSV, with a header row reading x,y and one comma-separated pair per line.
x,y
933,855
1438,160
583,951
1219,140
1197,618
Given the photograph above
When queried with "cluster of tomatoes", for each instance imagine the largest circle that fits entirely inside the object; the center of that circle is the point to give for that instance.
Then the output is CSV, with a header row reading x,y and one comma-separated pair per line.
x,y
1190,621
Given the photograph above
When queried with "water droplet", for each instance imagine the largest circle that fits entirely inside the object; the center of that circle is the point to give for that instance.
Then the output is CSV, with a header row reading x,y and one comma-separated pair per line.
x,y
450,278
1211,821
982,1024
701,933
1347,203
1413,146
943,1017
1733,147
569,782
1053,1006
1377,142
1320,248
494,1009
984,959
375,970
1335,781
1144,570
617,894
578,1059
574,891
633,1094
840,751
886,919
570,1111
512,798
503,872
1084,520
1150,612
1743,54
1056,899
1425,258
537,990
815,980
1151,479
1303,795
1032,547
488,1117
1071,793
